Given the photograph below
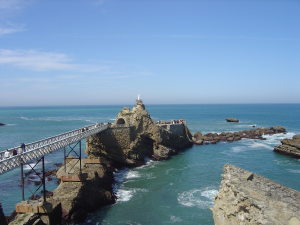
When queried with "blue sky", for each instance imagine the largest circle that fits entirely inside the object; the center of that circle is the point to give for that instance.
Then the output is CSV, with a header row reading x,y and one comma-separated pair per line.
x,y
90,52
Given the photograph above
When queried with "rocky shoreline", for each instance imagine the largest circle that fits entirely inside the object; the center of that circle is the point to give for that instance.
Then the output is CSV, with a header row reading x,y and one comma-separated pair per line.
x,y
289,147
126,143
247,198
213,138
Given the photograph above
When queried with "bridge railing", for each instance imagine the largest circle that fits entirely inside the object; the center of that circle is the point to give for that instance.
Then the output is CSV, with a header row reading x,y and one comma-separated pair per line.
x,y
45,146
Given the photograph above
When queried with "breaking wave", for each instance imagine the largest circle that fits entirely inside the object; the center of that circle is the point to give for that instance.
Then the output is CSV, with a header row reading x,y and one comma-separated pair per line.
x,y
197,198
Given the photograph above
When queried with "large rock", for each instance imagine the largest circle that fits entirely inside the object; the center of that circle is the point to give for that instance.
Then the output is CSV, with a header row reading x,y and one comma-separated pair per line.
x,y
232,120
77,199
247,198
289,147
2,124
134,136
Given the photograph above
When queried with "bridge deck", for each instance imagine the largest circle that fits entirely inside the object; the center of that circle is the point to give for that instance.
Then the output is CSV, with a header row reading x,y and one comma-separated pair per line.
x,y
40,148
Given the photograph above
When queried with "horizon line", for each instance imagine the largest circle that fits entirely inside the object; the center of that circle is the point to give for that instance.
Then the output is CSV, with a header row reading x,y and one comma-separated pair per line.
x,y
119,104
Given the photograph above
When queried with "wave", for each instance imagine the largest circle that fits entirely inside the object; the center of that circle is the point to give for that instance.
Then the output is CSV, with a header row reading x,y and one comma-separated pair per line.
x,y
200,198
124,195
132,175
276,138
293,171
11,124
175,219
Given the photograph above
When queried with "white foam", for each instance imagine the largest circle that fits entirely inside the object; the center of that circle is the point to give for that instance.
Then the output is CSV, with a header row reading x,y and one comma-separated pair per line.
x,y
132,175
10,124
237,149
175,219
197,198
210,194
27,167
124,195
260,145
293,171
276,138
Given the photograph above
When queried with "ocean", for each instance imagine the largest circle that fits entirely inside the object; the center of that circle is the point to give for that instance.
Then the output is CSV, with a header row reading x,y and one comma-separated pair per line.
x,y
177,191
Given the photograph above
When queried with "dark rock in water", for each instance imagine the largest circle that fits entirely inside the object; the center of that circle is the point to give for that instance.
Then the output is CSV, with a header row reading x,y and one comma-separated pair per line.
x,y
3,220
289,147
213,138
2,124
248,198
232,120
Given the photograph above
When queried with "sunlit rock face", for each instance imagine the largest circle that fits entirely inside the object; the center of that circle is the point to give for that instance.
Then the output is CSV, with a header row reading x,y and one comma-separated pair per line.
x,y
247,198
135,136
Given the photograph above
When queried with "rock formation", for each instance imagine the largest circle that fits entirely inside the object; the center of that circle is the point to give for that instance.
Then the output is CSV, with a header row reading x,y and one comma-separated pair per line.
x,y
247,198
127,142
290,147
2,124
135,136
232,120
213,138
79,198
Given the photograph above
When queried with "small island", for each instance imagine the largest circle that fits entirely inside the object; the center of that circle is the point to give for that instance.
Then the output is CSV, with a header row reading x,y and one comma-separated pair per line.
x,y
232,120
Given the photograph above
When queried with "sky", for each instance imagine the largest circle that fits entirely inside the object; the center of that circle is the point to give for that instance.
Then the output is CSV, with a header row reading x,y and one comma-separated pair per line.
x,y
94,52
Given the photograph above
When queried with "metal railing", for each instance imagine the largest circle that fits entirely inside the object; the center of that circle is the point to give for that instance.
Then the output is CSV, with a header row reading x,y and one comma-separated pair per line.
x,y
35,150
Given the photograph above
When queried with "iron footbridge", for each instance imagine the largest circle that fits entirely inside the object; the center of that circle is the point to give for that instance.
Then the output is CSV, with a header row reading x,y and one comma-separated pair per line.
x,y
15,157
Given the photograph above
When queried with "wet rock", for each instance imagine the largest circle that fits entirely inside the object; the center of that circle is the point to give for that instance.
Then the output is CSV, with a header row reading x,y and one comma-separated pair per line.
x,y
213,138
289,147
232,120
248,198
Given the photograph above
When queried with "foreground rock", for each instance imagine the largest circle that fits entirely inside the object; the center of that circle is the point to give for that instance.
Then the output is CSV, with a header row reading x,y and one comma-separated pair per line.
x,y
289,147
2,124
73,199
135,136
247,198
213,138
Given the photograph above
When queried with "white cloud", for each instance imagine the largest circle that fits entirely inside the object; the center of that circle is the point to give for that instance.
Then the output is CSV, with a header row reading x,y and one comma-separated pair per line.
x,y
48,61
10,29
12,4
35,60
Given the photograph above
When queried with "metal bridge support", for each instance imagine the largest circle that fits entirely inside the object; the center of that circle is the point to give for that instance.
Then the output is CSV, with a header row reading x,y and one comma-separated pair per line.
x,y
41,175
75,152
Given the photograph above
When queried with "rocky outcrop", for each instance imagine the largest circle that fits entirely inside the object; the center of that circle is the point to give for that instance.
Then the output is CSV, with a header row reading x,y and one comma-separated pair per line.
x,y
77,199
232,120
135,136
2,124
289,147
213,138
247,198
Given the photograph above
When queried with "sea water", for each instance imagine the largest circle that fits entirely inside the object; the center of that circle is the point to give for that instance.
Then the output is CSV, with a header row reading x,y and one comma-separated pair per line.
x,y
177,191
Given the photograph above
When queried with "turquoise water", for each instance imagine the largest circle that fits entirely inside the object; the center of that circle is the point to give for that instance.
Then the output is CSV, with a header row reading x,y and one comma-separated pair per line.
x,y
177,191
